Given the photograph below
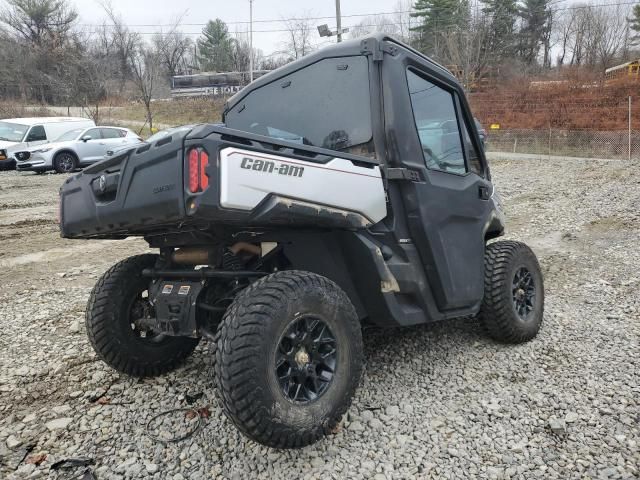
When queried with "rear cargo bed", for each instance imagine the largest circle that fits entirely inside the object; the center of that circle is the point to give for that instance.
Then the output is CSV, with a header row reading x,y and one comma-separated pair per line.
x,y
134,191
251,180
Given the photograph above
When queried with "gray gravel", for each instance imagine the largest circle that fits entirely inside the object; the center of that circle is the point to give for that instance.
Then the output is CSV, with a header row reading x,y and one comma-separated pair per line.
x,y
438,401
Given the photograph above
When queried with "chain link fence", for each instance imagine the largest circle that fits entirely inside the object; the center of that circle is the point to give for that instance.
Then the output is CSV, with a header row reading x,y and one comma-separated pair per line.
x,y
567,143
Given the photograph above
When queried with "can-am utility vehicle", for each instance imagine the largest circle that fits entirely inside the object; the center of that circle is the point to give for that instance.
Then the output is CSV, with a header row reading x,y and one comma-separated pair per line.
x,y
347,186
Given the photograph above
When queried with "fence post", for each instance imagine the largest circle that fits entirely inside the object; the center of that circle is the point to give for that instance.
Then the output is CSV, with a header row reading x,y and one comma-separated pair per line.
x,y
629,128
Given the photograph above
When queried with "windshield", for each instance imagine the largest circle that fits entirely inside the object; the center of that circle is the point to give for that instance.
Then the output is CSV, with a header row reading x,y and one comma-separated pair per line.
x,y
72,135
12,132
325,104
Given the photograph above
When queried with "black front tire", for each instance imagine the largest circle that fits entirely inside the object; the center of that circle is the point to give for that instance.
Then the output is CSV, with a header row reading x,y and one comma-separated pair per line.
x,y
65,162
513,305
250,347
110,329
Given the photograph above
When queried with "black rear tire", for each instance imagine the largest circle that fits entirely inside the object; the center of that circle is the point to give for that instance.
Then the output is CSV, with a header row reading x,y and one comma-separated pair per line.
x,y
513,305
65,162
269,398
111,329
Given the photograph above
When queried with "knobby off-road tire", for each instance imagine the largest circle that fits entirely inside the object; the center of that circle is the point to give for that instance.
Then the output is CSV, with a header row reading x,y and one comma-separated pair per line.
x,y
513,304
260,336
109,323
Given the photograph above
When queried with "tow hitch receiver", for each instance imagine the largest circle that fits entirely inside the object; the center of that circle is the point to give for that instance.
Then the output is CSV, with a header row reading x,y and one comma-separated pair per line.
x,y
175,306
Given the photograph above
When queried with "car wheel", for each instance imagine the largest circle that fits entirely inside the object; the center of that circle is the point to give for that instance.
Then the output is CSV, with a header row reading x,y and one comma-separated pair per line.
x,y
117,305
513,304
289,358
65,162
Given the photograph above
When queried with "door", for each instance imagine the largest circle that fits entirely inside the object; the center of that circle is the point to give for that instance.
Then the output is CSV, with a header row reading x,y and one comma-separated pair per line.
x,y
36,136
91,149
448,211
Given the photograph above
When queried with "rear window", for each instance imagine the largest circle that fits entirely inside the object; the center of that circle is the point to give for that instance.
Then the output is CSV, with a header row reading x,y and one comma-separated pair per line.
x,y
324,105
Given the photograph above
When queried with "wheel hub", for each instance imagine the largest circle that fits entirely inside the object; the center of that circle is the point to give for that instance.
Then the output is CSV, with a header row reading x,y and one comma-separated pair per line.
x,y
302,357
141,318
306,359
523,293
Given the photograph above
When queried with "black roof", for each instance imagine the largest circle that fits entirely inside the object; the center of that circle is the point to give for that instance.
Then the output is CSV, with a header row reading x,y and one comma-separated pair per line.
x,y
343,49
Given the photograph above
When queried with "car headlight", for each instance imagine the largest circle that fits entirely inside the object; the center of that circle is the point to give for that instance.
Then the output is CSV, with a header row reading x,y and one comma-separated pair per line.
x,y
42,150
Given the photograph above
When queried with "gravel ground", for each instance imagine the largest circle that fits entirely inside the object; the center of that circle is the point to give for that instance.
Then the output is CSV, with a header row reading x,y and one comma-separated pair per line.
x,y
438,401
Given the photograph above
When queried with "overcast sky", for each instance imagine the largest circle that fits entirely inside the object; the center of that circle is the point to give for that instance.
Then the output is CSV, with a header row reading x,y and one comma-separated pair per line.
x,y
146,12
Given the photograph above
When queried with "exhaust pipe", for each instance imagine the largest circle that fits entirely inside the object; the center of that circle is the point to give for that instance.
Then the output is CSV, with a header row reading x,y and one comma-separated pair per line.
x,y
207,256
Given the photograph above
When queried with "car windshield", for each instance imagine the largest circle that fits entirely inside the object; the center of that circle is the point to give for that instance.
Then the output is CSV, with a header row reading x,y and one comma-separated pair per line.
x,y
325,104
71,135
12,132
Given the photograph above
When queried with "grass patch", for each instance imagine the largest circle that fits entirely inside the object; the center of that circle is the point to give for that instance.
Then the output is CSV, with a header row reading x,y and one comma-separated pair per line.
x,y
173,112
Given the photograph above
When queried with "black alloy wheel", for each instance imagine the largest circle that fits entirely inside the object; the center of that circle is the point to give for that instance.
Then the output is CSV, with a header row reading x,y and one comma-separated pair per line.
x,y
523,290
306,359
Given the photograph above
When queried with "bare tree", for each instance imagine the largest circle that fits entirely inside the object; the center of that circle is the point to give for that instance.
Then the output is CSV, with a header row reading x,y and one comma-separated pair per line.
x,y
271,62
241,52
467,50
123,42
403,20
374,24
593,35
564,31
174,49
610,31
145,67
298,36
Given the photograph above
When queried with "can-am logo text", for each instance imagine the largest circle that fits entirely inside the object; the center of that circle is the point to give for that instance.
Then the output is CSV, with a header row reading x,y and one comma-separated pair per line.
x,y
268,166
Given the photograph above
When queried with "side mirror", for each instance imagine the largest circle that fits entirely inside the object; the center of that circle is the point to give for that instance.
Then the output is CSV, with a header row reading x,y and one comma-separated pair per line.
x,y
86,138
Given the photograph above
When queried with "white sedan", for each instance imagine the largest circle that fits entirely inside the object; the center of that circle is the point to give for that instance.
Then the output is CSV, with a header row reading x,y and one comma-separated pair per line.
x,y
74,149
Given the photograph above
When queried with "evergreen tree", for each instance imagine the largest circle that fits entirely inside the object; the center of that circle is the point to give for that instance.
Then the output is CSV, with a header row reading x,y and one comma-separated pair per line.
x,y
536,26
437,17
215,47
502,40
634,23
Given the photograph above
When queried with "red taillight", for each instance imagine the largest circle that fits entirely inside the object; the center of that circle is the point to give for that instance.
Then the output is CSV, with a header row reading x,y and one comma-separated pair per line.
x,y
204,163
198,160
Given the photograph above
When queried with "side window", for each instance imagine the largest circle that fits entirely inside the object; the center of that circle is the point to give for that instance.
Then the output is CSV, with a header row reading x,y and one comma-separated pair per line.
x,y
435,116
94,133
37,134
475,165
112,133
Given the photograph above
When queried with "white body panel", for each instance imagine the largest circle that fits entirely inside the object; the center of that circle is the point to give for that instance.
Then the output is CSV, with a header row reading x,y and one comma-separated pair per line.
x,y
247,178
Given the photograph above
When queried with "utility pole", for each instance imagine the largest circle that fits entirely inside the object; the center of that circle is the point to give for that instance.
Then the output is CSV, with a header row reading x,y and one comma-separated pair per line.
x,y
629,127
339,21
251,40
